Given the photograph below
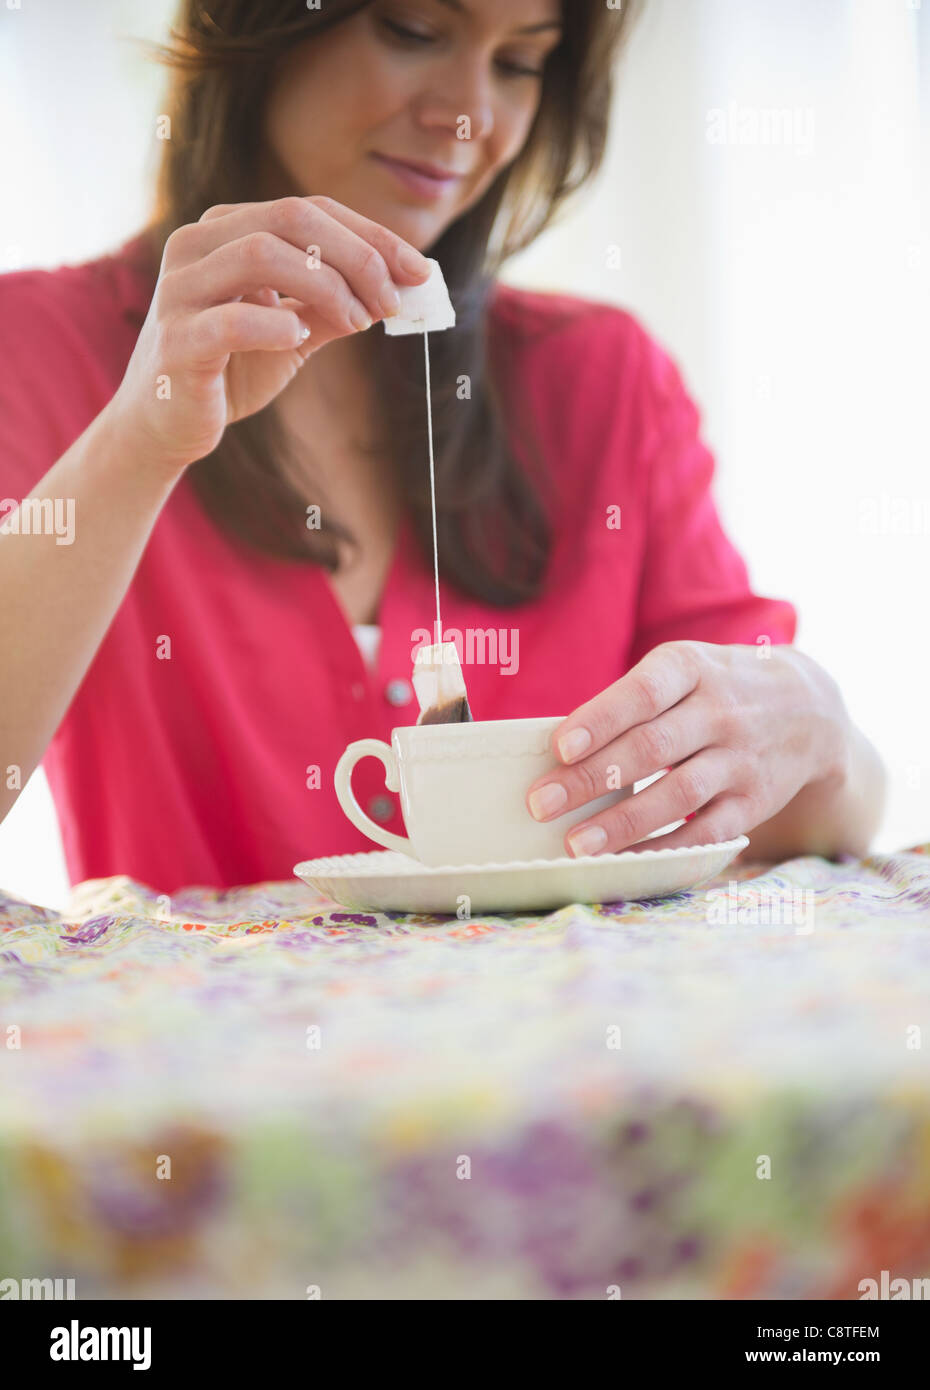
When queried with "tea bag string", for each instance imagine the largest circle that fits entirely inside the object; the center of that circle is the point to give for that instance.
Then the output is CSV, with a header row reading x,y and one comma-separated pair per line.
x,y
432,485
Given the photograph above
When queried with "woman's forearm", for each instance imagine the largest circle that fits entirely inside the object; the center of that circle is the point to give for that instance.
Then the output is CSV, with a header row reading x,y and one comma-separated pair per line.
x,y
57,599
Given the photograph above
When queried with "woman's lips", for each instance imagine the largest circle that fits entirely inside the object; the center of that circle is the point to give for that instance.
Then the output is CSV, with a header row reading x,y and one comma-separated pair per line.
x,y
416,181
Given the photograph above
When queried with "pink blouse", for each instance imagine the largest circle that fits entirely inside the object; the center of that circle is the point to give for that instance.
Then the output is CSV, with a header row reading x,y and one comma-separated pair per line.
x,y
215,766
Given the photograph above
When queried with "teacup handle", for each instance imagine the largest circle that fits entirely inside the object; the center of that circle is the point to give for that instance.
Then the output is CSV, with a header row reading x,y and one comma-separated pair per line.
x,y
369,748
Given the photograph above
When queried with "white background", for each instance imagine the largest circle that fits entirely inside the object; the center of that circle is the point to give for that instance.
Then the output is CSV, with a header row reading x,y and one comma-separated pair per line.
x,y
788,280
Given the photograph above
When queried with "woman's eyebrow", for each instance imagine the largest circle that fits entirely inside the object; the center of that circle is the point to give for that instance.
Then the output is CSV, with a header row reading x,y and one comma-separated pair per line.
x,y
525,29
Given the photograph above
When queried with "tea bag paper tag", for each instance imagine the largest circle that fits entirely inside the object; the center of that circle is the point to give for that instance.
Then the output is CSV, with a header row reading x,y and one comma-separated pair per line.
x,y
440,685
423,308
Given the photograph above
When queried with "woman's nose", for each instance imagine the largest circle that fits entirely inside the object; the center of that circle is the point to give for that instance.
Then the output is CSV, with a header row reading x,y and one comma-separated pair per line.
x,y
462,92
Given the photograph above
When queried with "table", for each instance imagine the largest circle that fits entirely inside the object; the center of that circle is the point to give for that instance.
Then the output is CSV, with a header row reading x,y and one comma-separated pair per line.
x,y
254,1094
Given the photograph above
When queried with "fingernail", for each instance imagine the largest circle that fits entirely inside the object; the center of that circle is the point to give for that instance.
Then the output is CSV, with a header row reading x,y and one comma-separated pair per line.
x,y
545,800
360,318
390,300
589,840
573,743
304,333
412,261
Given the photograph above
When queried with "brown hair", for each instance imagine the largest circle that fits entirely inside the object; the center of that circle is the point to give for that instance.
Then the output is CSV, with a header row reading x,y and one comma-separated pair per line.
x,y
494,527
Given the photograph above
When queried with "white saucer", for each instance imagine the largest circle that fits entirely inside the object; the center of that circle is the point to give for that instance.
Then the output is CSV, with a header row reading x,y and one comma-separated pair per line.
x,y
385,881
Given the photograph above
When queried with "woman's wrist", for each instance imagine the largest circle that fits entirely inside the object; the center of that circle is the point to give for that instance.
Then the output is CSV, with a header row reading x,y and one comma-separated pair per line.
x,y
131,446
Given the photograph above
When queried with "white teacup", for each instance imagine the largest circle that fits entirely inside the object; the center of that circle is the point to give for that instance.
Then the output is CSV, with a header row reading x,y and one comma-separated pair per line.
x,y
463,791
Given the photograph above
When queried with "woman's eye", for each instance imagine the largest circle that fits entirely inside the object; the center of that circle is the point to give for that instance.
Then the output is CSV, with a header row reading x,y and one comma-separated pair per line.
x,y
525,72
400,31
404,33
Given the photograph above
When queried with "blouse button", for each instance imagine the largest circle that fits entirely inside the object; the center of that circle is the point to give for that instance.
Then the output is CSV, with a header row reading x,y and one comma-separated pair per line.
x,y
381,808
398,692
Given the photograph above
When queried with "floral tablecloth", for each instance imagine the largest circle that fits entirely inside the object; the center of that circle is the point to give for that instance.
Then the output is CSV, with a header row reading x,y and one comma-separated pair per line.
x,y
256,1094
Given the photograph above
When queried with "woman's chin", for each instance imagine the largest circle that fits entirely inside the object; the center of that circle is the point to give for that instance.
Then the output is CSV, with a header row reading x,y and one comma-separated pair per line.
x,y
421,229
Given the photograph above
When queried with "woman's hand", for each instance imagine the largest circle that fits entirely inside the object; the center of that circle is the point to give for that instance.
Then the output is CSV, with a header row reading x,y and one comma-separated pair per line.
x,y
243,297
742,730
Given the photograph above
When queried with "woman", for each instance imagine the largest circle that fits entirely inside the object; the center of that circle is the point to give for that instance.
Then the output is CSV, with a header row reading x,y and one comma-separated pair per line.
x,y
247,460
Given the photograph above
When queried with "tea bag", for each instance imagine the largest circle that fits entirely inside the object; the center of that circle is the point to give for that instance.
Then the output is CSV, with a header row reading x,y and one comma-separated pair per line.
x,y
437,675
423,308
440,685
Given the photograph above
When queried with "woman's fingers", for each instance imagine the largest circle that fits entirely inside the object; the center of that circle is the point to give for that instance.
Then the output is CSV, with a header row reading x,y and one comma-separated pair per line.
x,y
369,257
724,818
221,210
664,676
312,340
213,334
288,276
682,791
257,261
268,297
407,265
646,749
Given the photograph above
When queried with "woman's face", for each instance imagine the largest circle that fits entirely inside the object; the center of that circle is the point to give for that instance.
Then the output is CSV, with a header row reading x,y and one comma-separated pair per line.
x,y
452,84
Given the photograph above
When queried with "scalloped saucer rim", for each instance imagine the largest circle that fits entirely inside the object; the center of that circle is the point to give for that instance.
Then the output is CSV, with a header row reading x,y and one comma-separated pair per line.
x,y
337,865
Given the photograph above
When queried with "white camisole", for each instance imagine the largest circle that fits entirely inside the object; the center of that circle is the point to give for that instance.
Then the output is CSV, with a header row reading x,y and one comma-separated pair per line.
x,y
368,636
